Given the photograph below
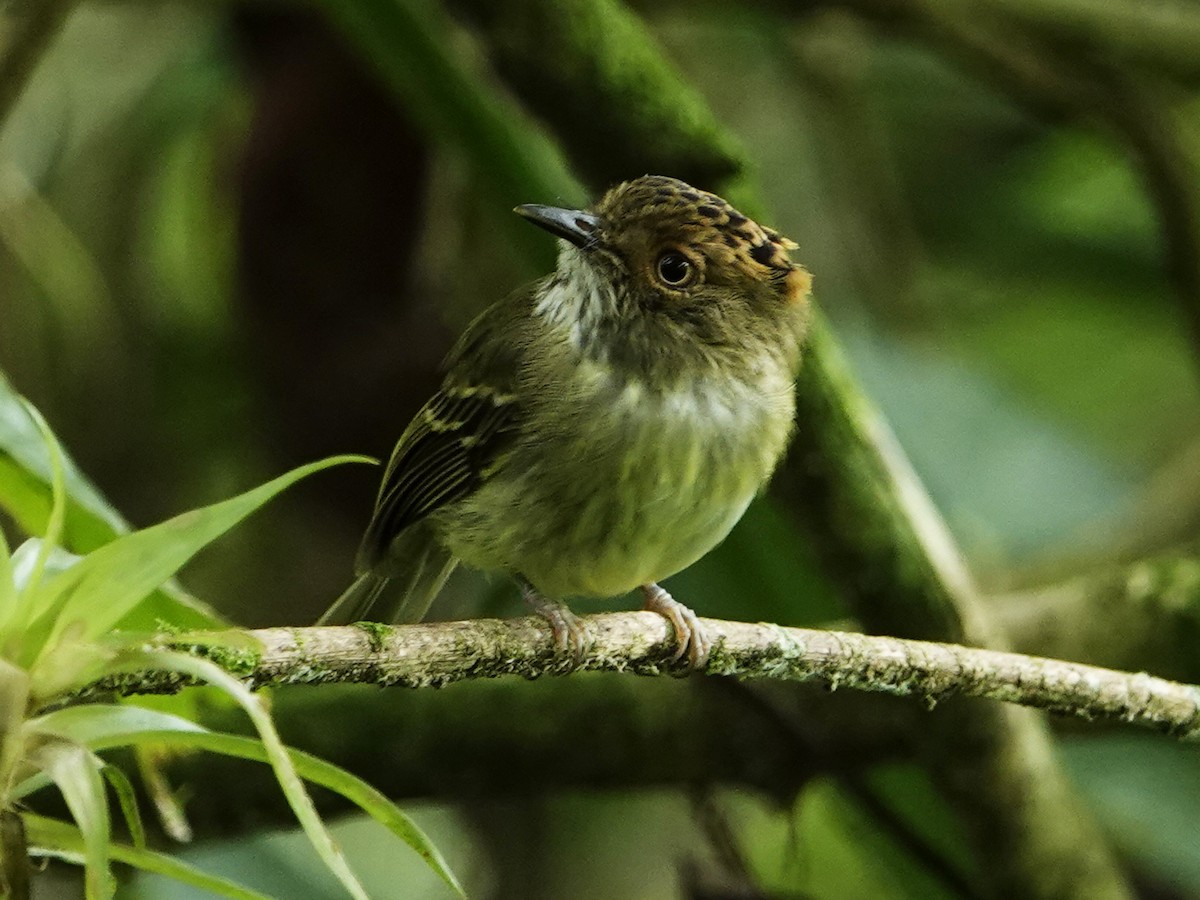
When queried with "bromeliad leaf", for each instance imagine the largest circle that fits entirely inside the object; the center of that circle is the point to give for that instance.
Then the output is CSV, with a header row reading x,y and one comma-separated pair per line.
x,y
327,775
108,726
8,583
100,726
24,559
33,559
27,466
52,533
127,799
277,754
49,837
76,771
26,475
110,582
105,727
14,700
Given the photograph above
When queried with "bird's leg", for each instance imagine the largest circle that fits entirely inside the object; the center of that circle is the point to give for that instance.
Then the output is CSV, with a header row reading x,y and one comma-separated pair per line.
x,y
689,633
571,635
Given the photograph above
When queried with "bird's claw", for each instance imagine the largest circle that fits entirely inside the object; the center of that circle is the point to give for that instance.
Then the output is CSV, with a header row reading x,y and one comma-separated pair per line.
x,y
689,633
572,639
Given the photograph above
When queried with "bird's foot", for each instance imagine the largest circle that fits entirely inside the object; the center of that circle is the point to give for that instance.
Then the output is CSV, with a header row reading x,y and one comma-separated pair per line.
x,y
689,633
572,639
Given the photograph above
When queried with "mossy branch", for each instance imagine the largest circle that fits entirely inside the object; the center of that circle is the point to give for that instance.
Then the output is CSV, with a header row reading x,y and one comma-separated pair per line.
x,y
438,654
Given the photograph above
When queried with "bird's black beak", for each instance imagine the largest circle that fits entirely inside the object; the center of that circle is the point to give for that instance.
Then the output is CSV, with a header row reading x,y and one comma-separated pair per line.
x,y
572,225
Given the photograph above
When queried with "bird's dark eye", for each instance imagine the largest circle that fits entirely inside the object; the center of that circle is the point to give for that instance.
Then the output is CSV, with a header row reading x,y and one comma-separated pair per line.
x,y
674,269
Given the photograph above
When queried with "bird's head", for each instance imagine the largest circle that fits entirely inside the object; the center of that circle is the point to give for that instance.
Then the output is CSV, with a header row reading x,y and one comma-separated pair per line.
x,y
656,260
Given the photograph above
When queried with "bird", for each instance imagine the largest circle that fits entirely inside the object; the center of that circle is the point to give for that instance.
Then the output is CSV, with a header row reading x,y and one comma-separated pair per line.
x,y
604,428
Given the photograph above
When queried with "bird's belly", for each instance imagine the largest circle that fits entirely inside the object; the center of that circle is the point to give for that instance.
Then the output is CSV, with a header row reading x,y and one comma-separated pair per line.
x,y
616,543
644,496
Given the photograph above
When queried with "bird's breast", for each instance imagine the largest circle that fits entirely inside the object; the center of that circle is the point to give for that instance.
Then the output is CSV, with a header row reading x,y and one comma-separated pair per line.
x,y
624,483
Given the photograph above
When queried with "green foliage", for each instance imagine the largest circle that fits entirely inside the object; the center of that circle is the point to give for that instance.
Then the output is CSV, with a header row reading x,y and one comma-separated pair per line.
x,y
32,467
51,838
81,519
59,618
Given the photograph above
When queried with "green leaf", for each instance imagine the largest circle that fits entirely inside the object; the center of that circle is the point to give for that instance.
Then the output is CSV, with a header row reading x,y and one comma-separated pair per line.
x,y
49,837
32,562
104,727
170,603
14,699
99,726
277,755
104,587
58,502
76,771
127,799
175,606
825,846
337,779
26,475
1147,792
8,584
171,816
24,560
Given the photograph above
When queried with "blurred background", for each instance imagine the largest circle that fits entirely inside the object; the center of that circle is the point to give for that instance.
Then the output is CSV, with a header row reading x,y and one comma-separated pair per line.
x,y
239,236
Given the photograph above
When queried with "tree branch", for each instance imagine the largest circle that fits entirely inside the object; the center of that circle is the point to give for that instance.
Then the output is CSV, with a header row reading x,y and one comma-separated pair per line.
x,y
438,654
1145,615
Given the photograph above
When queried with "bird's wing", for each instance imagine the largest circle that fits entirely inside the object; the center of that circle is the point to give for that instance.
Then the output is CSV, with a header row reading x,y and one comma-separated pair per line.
x,y
447,449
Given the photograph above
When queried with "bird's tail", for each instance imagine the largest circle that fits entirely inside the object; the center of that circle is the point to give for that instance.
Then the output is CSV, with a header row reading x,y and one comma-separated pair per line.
x,y
399,590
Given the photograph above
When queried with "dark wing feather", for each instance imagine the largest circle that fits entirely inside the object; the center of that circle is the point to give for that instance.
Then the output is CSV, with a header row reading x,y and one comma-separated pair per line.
x,y
458,434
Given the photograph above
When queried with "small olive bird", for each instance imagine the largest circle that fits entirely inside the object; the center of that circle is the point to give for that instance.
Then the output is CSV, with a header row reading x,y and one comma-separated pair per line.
x,y
604,428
